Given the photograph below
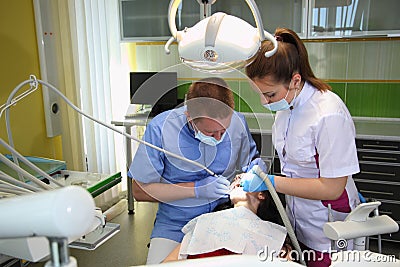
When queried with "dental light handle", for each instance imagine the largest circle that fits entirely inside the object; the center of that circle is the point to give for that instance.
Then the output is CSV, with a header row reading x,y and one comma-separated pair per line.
x,y
281,211
274,42
117,130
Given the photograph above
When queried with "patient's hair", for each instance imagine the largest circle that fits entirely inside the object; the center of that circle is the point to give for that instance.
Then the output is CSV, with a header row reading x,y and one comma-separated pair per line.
x,y
267,209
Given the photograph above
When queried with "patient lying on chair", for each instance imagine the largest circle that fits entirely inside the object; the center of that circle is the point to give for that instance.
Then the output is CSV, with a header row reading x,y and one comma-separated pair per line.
x,y
247,224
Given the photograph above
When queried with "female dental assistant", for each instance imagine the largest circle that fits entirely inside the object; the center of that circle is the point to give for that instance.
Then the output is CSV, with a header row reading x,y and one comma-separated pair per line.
x,y
314,136
207,131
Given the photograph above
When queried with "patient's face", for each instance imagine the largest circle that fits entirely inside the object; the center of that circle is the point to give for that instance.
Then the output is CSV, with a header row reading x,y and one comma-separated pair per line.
x,y
236,182
237,193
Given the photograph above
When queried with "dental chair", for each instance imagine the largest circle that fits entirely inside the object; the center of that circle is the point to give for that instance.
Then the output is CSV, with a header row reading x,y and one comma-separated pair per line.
x,y
357,227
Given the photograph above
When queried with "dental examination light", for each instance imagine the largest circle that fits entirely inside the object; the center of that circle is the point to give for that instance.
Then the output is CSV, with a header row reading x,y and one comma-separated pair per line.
x,y
220,42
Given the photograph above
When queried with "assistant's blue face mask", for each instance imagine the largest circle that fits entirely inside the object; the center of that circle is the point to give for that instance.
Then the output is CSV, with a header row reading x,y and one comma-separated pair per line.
x,y
209,140
278,105
281,104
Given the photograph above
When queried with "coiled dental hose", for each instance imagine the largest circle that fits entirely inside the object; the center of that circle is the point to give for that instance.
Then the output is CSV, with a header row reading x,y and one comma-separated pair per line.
x,y
281,211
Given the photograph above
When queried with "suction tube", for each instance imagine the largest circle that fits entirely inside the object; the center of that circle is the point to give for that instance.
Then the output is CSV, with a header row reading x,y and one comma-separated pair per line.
x,y
282,212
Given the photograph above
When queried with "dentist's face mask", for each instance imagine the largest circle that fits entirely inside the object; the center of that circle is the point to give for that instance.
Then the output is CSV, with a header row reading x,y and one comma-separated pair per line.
x,y
281,104
209,140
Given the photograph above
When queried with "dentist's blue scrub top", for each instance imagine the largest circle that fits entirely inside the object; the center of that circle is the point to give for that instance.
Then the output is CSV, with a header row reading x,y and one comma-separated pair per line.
x,y
170,131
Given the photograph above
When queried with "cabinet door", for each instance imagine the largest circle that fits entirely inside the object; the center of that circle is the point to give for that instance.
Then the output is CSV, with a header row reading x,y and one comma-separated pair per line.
x,y
147,20
274,14
338,18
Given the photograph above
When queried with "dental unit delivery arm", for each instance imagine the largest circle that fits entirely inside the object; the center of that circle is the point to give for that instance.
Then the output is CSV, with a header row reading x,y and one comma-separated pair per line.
x,y
33,80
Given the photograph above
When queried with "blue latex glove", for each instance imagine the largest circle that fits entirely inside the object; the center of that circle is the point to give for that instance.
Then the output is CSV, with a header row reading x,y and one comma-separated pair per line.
x,y
251,182
362,199
211,187
257,161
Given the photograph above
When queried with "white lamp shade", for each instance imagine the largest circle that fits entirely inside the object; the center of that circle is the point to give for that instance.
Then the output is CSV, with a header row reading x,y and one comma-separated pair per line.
x,y
234,42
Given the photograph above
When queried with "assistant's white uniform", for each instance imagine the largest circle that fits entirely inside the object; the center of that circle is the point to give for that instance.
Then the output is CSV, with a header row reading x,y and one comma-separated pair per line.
x,y
316,139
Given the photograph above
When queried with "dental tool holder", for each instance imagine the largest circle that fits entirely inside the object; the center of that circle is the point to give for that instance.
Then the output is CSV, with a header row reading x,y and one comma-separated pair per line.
x,y
358,225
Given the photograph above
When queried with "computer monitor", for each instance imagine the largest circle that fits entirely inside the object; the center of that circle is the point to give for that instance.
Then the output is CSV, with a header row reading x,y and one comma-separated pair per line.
x,y
158,89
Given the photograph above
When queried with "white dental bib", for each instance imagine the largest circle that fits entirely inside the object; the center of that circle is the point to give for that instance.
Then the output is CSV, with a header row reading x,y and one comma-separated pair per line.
x,y
238,230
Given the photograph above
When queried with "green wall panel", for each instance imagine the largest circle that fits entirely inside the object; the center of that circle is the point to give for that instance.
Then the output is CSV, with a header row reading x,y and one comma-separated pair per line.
x,y
339,89
362,99
183,87
250,99
373,99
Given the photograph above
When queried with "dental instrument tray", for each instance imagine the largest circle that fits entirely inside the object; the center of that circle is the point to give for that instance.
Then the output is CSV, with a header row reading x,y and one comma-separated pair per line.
x,y
50,166
95,183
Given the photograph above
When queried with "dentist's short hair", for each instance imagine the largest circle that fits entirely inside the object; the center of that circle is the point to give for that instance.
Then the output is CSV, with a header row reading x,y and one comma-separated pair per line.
x,y
210,97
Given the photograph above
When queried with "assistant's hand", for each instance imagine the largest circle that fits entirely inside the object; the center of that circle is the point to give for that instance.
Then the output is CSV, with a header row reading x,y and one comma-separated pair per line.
x,y
211,187
257,161
251,182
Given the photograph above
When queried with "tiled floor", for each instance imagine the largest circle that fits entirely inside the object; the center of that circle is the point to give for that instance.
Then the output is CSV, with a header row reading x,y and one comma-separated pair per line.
x,y
129,246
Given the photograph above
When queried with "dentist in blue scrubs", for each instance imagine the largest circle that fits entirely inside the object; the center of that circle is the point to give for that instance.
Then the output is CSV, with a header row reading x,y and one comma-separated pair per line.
x,y
206,130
